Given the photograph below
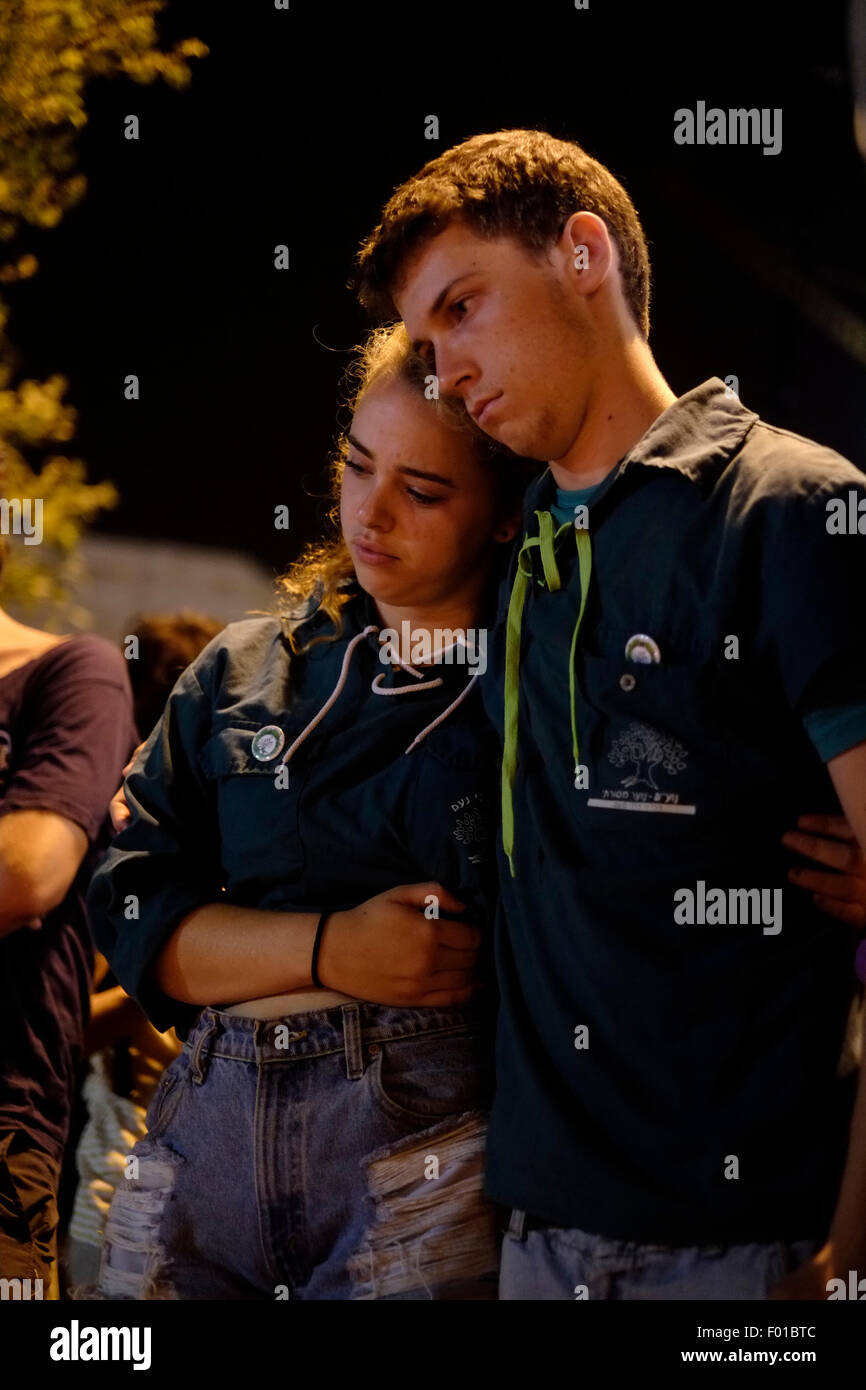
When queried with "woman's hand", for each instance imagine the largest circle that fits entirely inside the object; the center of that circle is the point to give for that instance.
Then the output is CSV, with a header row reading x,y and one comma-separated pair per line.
x,y
388,951
117,807
830,840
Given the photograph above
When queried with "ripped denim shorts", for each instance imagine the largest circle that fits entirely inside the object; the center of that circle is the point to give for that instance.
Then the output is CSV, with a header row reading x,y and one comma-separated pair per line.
x,y
335,1154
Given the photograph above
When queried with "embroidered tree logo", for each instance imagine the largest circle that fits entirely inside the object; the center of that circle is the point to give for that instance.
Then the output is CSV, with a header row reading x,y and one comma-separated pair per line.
x,y
644,746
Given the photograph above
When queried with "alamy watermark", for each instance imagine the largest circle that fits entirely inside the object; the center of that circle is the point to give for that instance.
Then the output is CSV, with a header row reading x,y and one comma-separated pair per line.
x,y
854,1289
736,907
17,518
421,646
846,516
736,126
77,1343
21,1290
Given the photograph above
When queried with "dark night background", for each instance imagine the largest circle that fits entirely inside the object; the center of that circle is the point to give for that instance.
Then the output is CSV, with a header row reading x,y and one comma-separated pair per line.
x,y
295,130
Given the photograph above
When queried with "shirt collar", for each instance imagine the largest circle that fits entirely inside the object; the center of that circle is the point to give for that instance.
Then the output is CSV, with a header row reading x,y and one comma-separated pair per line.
x,y
359,612
309,620
696,436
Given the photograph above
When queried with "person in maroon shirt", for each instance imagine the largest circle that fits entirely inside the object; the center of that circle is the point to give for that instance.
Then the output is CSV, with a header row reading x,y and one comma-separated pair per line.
x,y
66,730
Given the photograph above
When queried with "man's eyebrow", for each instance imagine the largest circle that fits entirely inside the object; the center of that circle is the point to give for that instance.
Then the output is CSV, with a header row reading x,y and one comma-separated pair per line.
x,y
411,472
439,301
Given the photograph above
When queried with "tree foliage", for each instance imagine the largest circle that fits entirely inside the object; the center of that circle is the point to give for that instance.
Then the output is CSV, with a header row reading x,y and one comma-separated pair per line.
x,y
49,50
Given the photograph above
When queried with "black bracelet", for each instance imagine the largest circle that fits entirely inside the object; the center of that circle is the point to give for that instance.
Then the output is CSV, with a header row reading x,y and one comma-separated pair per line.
x,y
316,944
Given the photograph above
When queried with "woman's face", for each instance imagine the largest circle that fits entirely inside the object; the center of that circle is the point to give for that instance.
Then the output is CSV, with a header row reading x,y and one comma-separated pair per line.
x,y
417,506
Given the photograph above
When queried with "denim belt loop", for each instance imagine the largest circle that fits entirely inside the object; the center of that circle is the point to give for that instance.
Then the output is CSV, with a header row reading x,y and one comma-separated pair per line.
x,y
199,1067
517,1224
352,1041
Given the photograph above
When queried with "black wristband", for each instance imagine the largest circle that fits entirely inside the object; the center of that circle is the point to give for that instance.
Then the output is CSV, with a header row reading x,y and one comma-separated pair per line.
x,y
314,969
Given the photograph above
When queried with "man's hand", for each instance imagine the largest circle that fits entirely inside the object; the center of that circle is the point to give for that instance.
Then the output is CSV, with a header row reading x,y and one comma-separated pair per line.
x,y
117,807
387,951
830,840
810,1280
846,1245
835,1260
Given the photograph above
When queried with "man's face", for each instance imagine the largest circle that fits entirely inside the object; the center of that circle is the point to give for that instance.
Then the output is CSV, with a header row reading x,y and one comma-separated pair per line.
x,y
500,324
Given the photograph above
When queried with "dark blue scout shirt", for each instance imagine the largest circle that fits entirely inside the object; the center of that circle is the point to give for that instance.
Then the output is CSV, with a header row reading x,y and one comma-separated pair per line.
x,y
831,730
705,1042
360,814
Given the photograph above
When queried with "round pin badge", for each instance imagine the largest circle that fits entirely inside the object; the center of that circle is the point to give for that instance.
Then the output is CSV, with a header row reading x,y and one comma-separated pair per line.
x,y
642,648
267,743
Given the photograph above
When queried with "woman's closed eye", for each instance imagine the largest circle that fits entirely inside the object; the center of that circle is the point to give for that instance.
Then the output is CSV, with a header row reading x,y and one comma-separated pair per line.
x,y
424,499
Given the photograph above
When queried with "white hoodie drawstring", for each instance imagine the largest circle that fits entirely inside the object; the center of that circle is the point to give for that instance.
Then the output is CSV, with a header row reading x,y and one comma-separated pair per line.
x,y
377,689
445,713
335,693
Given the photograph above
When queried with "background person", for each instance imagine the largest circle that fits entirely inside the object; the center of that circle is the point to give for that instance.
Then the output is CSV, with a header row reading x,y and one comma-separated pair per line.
x,y
65,732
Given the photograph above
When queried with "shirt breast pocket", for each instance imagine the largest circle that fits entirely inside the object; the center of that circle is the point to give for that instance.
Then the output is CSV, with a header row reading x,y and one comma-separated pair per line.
x,y
257,804
655,742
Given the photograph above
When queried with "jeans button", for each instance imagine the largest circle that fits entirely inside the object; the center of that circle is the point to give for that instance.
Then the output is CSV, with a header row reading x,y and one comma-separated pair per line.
x,y
373,1050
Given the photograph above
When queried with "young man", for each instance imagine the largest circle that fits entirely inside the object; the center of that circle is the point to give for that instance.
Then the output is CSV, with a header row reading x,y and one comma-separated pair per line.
x,y
679,669
65,732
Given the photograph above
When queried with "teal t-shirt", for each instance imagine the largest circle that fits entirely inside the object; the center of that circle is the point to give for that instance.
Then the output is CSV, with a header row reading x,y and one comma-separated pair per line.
x,y
562,510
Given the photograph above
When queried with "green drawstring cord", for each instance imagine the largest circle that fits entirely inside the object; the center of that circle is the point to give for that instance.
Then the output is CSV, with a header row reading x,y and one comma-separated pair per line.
x,y
584,563
512,662
544,542
548,556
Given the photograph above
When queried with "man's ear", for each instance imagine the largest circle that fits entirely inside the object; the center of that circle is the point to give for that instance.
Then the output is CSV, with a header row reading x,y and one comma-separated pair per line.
x,y
507,529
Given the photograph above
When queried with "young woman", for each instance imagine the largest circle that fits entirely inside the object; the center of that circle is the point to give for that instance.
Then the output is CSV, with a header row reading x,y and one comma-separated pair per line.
x,y
321,1134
